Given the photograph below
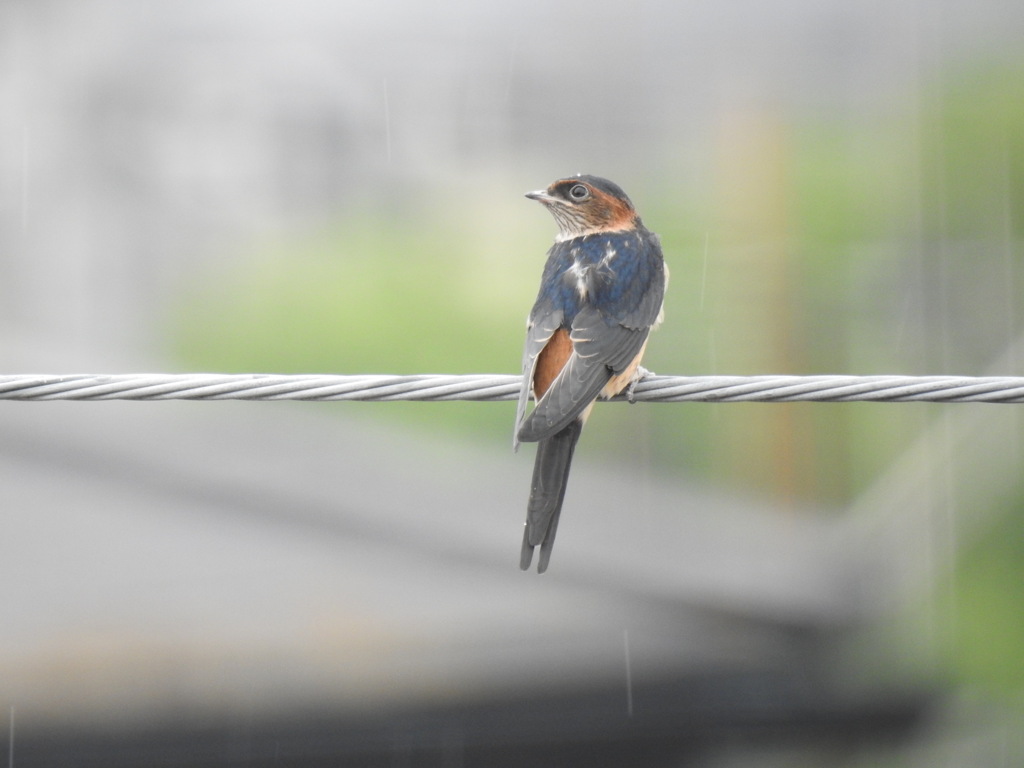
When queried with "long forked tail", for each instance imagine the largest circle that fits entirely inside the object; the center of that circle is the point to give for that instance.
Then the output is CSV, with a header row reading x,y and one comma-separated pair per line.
x,y
550,476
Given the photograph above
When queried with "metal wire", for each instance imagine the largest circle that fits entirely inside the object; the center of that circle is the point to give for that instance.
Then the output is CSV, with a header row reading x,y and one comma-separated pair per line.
x,y
491,387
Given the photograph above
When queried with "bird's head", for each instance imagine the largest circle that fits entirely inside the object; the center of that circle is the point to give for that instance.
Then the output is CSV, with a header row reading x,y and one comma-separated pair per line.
x,y
583,205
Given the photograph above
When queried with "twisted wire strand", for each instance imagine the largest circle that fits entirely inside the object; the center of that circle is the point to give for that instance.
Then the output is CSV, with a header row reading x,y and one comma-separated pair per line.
x,y
493,387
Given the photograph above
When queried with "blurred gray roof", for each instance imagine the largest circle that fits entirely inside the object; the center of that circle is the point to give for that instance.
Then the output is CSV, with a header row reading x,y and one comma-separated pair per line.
x,y
189,554
168,556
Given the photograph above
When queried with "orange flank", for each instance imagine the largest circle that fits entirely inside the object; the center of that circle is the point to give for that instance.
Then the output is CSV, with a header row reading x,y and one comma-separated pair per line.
x,y
550,361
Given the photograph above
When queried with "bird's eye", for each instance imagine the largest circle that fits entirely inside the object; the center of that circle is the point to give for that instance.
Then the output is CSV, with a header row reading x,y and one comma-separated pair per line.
x,y
579,192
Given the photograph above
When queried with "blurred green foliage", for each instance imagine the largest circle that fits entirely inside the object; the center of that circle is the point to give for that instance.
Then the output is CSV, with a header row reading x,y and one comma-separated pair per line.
x,y
974,153
370,295
974,191
984,634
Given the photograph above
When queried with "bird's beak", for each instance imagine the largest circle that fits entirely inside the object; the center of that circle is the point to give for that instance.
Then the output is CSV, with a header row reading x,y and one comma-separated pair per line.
x,y
540,195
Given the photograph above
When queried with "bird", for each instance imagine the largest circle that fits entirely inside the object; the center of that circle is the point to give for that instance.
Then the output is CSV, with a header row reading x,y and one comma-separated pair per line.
x,y
601,294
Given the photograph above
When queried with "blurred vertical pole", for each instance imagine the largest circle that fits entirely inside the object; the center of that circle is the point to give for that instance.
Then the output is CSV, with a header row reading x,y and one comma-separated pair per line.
x,y
758,329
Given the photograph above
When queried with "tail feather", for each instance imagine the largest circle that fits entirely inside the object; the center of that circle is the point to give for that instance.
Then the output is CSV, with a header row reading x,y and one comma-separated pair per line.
x,y
550,476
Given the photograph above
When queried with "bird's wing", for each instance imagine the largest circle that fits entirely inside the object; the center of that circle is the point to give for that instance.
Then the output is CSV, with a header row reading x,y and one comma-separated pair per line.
x,y
600,350
611,344
539,330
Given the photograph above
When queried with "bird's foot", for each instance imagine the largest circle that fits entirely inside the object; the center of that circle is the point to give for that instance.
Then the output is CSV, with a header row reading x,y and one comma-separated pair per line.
x,y
641,374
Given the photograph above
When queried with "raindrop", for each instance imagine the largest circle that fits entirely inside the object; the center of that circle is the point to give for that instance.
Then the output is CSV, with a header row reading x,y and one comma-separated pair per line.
x,y
629,674
704,270
512,56
387,121
24,177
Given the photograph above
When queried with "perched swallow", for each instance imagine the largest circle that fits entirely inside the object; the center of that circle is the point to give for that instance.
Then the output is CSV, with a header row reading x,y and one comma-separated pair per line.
x,y
600,296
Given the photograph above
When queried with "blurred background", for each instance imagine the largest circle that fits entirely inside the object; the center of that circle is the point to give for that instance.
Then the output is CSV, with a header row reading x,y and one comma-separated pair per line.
x,y
337,187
